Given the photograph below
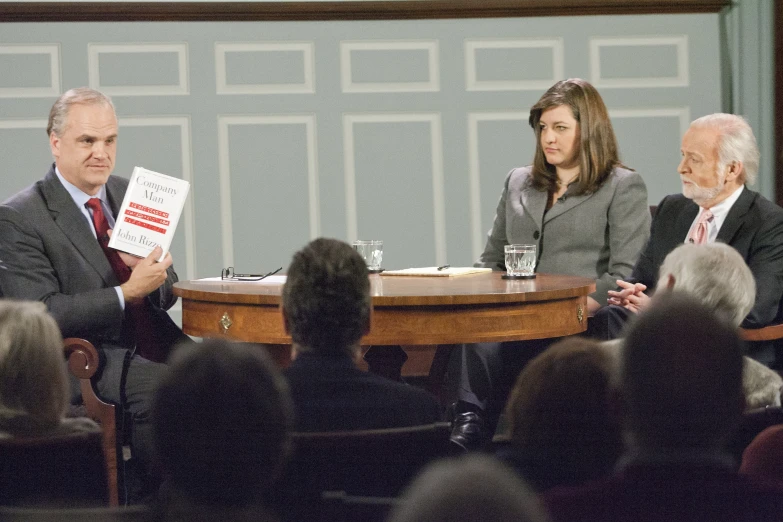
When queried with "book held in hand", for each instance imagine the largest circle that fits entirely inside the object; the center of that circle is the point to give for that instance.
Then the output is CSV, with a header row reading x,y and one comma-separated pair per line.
x,y
149,213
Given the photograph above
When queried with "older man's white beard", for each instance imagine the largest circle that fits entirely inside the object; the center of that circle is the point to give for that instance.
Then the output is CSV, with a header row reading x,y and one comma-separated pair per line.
x,y
701,195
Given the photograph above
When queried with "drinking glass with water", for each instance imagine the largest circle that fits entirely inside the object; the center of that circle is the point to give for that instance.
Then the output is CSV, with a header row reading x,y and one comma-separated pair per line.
x,y
520,261
372,253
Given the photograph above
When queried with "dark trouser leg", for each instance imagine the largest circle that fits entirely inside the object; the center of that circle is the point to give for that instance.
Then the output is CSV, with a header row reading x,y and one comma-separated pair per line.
x,y
488,371
140,381
473,368
608,323
762,351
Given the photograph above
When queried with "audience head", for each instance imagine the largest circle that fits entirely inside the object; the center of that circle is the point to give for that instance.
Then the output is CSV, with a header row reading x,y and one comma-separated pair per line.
x,y
595,148
763,458
681,377
719,154
475,487
58,115
222,419
34,391
559,411
326,298
715,274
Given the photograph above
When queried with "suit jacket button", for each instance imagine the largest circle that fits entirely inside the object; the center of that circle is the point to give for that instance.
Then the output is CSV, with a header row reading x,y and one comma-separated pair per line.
x,y
536,235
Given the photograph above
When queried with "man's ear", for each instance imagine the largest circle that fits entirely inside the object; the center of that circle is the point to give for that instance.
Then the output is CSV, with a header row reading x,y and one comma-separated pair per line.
x,y
54,144
670,280
734,171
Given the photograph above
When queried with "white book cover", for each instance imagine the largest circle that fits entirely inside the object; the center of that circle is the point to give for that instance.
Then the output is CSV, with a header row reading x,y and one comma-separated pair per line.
x,y
149,213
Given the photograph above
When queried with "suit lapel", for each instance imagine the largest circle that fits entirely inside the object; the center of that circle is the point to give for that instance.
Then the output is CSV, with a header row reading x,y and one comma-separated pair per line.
x,y
534,202
736,216
115,195
682,224
75,227
561,207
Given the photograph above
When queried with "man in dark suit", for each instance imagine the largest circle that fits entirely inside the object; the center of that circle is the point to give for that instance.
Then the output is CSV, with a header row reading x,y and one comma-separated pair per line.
x,y
326,308
681,399
719,156
54,248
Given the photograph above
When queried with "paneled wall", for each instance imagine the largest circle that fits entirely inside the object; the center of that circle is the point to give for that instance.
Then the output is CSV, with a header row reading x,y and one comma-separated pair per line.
x,y
394,130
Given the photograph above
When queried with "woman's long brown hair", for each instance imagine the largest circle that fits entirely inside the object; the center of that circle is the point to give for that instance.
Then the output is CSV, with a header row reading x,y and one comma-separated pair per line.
x,y
598,153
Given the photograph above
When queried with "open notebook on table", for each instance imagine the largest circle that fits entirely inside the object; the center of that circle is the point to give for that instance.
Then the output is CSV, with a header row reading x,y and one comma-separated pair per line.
x,y
432,271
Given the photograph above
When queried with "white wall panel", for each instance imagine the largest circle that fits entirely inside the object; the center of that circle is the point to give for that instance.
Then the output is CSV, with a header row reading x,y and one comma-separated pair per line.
x,y
428,47
25,81
148,51
305,49
473,82
632,45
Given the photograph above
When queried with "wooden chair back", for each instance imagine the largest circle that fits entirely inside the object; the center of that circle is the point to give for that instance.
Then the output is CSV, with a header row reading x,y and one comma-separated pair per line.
x,y
83,362
55,471
753,423
102,514
366,463
773,332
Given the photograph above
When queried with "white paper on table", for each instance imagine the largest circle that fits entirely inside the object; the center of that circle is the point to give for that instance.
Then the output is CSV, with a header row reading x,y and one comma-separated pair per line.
x,y
432,271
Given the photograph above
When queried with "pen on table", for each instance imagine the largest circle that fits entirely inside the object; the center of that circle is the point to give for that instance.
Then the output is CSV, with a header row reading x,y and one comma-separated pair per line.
x,y
444,267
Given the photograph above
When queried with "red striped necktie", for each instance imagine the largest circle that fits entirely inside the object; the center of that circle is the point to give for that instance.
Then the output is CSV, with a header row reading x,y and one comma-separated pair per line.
x,y
140,312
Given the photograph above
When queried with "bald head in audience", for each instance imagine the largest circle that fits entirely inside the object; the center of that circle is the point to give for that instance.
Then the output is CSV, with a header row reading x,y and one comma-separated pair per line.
x,y
473,488
681,377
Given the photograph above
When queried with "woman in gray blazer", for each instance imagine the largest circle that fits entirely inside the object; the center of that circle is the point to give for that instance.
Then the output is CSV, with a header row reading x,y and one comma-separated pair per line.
x,y
583,209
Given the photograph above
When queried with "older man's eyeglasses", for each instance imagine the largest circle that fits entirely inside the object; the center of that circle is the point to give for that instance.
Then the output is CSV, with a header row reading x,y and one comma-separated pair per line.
x,y
228,274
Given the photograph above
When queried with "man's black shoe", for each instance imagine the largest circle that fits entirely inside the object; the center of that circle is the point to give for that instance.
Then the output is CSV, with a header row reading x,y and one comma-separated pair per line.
x,y
468,431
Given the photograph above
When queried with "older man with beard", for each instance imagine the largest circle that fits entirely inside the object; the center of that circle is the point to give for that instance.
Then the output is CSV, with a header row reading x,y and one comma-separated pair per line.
x,y
719,156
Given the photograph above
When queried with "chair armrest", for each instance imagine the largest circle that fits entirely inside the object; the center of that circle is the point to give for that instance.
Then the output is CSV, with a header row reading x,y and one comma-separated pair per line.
x,y
768,333
83,362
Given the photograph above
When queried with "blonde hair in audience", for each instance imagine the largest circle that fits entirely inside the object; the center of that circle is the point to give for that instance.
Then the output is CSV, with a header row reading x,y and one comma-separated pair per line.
x,y
716,275
736,143
33,379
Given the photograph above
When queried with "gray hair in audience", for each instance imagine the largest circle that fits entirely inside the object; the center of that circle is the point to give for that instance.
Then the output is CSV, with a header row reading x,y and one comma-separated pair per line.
x,y
58,115
33,379
681,376
737,142
716,275
472,488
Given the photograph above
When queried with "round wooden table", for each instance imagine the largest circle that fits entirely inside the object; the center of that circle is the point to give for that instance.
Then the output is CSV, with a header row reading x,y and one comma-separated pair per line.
x,y
407,310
